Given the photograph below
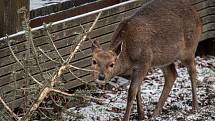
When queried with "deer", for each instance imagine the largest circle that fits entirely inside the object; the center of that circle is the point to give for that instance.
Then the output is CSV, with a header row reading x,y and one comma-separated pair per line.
x,y
155,36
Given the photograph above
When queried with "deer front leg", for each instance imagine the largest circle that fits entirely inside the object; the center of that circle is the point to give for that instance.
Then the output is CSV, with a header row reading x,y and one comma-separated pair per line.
x,y
170,76
132,92
140,110
137,78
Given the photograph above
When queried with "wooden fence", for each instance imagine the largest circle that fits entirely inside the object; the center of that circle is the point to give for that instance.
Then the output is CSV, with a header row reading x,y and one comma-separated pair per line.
x,y
65,33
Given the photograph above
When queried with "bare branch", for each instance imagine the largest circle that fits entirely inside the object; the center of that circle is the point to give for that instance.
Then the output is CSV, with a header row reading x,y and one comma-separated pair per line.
x,y
36,104
26,71
82,27
29,37
55,101
82,69
57,74
47,56
36,57
77,77
52,42
44,114
9,110
74,95
83,39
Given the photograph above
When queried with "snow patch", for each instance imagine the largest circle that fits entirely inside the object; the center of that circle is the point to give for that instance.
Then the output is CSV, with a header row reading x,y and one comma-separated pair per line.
x,y
178,105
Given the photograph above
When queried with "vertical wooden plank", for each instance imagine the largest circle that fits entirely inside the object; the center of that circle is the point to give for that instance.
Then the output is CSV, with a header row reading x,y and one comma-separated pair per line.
x,y
9,18
1,18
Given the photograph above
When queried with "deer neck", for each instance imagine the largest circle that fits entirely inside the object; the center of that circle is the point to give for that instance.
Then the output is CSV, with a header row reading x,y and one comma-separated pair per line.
x,y
122,65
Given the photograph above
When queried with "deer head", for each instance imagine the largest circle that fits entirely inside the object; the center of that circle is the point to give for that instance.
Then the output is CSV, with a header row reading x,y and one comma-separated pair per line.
x,y
104,62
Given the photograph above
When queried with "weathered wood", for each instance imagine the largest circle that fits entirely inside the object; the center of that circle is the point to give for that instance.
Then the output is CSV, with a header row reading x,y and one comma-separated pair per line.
x,y
74,83
42,11
21,83
9,68
59,44
61,35
209,27
208,35
75,21
50,66
10,21
19,101
66,78
58,36
208,19
64,38
207,11
203,4
70,12
197,1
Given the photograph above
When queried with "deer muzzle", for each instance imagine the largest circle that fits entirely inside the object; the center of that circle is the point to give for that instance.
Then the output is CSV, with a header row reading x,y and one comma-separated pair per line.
x,y
101,79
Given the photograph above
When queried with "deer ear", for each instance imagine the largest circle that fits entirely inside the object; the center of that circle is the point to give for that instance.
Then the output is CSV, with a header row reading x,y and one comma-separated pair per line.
x,y
118,49
95,45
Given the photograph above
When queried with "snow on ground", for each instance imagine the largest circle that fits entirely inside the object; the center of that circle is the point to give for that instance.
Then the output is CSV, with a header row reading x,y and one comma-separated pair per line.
x,y
34,4
177,106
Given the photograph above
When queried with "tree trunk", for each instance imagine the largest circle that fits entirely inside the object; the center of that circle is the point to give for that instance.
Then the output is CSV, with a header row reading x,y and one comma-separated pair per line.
x,y
10,21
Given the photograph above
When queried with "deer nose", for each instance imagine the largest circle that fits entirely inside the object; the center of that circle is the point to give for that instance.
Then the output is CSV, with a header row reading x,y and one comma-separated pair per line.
x,y
101,76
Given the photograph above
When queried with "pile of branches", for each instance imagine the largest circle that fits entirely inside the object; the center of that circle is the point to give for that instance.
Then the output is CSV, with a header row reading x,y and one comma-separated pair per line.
x,y
45,89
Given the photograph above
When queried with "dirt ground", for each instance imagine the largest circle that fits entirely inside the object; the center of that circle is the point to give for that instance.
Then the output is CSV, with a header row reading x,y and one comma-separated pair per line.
x,y
177,107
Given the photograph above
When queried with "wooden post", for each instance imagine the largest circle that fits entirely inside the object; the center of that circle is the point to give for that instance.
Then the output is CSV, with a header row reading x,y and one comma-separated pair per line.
x,y
10,21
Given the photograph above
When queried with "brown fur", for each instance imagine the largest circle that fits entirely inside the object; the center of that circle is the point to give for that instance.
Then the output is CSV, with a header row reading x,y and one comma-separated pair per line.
x,y
159,33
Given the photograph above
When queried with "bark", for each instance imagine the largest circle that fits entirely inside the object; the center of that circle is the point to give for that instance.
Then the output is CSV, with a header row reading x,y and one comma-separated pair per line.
x,y
10,21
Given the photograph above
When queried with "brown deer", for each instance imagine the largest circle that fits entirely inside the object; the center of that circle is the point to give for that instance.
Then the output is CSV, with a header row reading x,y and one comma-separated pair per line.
x,y
156,35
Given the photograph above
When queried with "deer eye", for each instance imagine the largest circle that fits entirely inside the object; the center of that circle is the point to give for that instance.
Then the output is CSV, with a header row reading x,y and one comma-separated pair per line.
x,y
111,65
94,62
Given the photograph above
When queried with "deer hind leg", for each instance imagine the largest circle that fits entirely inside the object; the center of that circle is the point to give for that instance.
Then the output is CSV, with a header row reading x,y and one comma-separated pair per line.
x,y
170,76
140,110
190,64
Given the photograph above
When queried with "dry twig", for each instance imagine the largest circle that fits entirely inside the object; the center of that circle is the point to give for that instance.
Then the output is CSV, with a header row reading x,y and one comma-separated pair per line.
x,y
82,69
52,42
74,95
29,37
77,77
83,39
9,110
46,90
26,71
47,56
